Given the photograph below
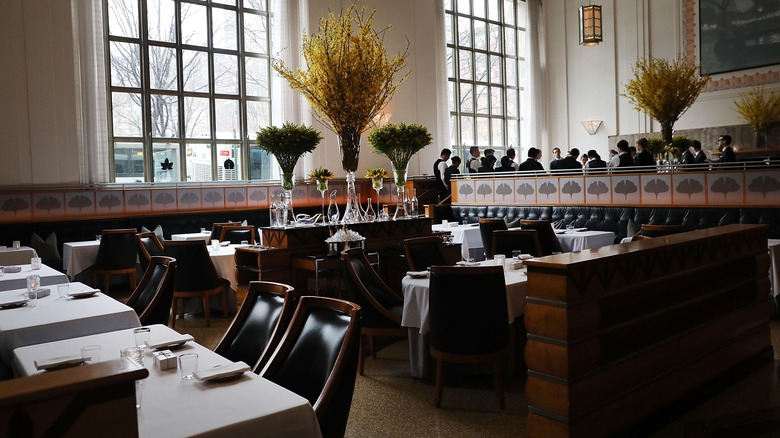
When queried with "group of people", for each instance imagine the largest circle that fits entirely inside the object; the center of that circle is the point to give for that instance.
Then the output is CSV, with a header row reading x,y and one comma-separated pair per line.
x,y
624,156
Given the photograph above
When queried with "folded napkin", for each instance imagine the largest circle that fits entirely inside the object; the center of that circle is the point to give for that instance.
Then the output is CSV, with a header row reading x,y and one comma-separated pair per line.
x,y
526,256
13,303
12,269
462,263
167,342
222,371
418,274
57,362
559,230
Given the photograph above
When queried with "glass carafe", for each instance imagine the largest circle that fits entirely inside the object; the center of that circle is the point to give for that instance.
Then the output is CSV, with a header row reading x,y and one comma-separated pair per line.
x,y
413,204
333,209
369,214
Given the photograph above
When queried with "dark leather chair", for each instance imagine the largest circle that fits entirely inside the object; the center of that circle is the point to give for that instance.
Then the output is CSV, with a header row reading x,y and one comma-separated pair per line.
x,y
259,324
152,299
196,276
468,320
216,229
116,256
381,307
318,357
547,237
507,241
235,234
423,252
486,228
649,230
148,246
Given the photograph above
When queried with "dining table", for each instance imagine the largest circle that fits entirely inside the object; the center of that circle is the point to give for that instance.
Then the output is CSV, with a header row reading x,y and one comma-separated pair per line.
x,y
205,235
54,318
16,256
416,318
246,405
468,236
18,280
78,256
580,239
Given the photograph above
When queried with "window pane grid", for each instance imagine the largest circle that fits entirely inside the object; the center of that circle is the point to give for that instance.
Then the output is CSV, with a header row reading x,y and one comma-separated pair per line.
x,y
186,79
484,67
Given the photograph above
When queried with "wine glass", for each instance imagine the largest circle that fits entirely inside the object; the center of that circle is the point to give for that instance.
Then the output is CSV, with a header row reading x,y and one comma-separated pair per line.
x,y
322,187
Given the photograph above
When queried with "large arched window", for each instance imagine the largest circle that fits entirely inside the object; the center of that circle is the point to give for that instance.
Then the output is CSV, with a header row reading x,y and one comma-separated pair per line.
x,y
485,71
190,84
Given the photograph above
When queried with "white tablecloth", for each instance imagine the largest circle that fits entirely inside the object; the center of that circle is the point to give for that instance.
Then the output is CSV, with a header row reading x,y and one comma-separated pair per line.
x,y
225,262
416,306
18,280
172,407
13,256
78,256
192,236
469,238
54,318
581,240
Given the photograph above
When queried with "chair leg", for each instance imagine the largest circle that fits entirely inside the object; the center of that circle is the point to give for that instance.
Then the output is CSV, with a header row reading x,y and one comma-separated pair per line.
x,y
224,302
439,379
132,281
498,379
206,309
371,344
361,359
106,282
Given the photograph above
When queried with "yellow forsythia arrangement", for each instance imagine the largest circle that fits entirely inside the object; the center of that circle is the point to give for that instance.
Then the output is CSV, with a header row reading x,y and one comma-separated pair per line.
x,y
758,109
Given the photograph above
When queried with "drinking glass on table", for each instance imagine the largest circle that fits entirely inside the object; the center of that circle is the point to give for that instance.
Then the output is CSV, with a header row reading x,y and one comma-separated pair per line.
x,y
133,353
33,283
63,290
142,336
516,254
570,227
188,364
90,353
35,263
214,245
17,244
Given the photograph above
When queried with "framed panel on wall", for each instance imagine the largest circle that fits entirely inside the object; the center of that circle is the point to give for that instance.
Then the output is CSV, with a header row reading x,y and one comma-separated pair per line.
x,y
738,34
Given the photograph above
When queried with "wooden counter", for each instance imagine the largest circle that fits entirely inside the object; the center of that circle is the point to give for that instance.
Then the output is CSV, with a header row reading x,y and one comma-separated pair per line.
x,y
617,333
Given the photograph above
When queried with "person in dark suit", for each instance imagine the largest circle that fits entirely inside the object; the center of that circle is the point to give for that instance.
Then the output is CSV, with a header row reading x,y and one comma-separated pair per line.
x,y
699,156
623,158
571,162
532,162
686,158
726,152
643,157
438,171
556,158
451,170
488,162
506,165
594,162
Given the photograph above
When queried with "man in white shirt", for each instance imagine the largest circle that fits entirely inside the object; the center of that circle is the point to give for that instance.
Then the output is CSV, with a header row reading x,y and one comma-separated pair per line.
x,y
623,158
439,168
473,163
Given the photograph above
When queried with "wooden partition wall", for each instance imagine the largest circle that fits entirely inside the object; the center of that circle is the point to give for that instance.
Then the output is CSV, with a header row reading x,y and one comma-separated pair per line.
x,y
618,333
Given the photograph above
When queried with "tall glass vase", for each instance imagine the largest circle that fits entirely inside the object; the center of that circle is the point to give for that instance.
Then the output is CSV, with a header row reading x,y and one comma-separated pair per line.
x,y
322,187
288,183
349,146
399,174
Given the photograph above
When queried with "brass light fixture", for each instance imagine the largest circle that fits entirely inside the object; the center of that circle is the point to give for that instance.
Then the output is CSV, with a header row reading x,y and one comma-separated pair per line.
x,y
590,25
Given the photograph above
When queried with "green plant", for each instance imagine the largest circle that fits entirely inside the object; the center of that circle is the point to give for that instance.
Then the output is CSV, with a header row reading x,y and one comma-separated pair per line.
x,y
376,172
664,90
678,145
287,144
399,142
655,146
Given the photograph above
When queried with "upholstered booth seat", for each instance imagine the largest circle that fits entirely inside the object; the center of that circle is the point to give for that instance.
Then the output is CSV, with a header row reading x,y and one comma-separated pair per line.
x,y
614,219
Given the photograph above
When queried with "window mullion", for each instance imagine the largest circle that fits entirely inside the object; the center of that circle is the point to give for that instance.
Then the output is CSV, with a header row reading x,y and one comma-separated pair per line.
x,y
146,109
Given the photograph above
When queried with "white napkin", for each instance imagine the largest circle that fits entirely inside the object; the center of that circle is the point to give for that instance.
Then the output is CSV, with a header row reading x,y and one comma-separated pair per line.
x,y
581,229
57,362
559,230
174,340
222,371
418,274
462,263
13,303
13,269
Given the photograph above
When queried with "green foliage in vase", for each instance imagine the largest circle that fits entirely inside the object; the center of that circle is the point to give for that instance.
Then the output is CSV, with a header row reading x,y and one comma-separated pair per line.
x,y
759,109
399,142
655,146
288,143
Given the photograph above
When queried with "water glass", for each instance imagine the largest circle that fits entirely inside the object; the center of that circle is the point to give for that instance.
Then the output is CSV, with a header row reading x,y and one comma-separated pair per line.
x,y
17,244
142,336
63,290
202,230
516,254
139,386
97,237
91,353
445,223
570,227
188,364
2,271
245,242
499,259
35,263
33,283
214,245
133,353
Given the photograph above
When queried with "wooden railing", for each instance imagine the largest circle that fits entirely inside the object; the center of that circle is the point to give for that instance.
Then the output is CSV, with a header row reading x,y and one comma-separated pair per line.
x,y
618,333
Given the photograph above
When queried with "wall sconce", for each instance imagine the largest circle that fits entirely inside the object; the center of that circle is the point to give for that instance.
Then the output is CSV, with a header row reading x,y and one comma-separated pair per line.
x,y
591,126
590,25
380,119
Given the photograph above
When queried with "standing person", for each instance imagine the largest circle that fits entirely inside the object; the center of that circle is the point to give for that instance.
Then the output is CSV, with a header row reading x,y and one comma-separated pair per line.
x,y
532,162
439,166
488,162
556,158
632,152
571,162
473,163
595,161
726,152
584,160
451,170
511,154
698,155
623,158
643,158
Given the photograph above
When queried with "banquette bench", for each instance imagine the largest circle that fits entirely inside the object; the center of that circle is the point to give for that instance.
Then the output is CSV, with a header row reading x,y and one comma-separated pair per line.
x,y
615,219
